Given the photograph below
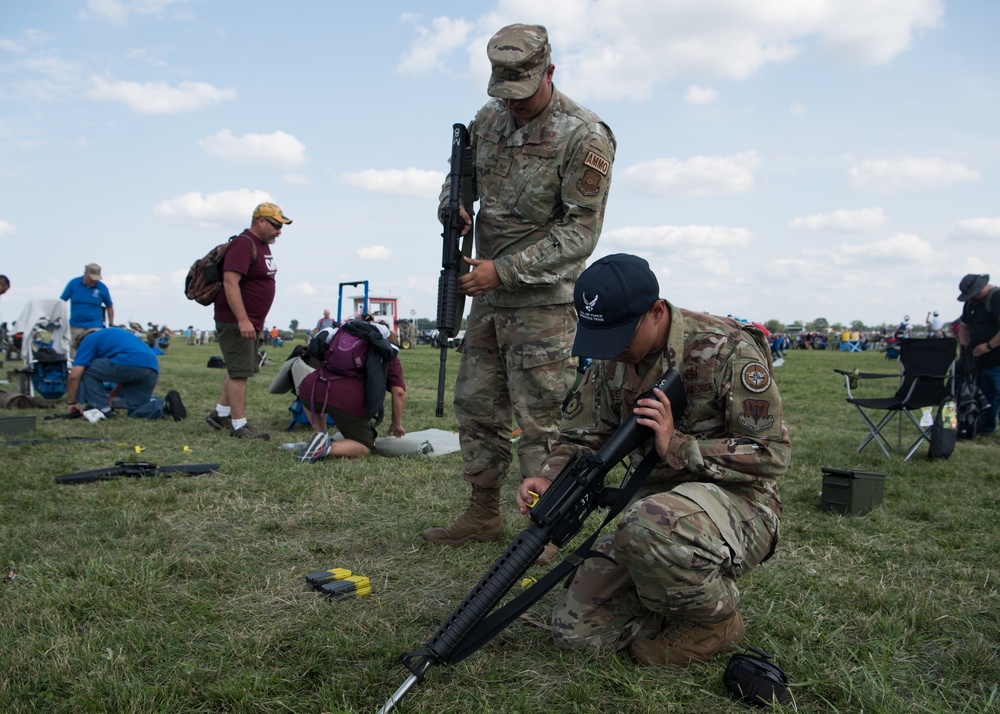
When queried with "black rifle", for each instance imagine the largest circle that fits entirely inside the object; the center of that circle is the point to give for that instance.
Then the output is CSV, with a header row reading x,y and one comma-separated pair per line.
x,y
450,303
135,469
558,516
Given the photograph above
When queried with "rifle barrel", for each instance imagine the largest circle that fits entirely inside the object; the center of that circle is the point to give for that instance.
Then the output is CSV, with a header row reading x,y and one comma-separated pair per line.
x,y
399,694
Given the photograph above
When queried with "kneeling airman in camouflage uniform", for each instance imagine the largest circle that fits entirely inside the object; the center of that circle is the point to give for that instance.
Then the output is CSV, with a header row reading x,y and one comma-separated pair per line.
x,y
709,512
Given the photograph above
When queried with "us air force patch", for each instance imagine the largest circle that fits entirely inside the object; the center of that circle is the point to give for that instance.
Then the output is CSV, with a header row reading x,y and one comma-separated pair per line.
x,y
755,377
590,183
756,415
572,406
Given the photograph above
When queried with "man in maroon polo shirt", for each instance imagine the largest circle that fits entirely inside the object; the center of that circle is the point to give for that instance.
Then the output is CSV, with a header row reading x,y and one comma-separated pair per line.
x,y
240,311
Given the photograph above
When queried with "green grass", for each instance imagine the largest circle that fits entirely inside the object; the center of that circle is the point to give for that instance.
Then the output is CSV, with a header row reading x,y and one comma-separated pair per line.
x,y
186,593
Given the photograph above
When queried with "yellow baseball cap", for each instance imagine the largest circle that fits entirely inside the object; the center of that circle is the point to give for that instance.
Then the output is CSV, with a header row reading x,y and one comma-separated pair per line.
x,y
271,210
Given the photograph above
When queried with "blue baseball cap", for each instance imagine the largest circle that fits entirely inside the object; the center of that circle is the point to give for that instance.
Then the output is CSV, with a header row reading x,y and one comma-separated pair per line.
x,y
610,297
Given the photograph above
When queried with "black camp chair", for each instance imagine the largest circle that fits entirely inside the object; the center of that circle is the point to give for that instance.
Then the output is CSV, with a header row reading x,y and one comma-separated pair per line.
x,y
927,377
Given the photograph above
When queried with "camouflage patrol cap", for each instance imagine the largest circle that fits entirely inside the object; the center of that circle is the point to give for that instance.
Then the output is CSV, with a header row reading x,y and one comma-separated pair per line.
x,y
520,54
610,297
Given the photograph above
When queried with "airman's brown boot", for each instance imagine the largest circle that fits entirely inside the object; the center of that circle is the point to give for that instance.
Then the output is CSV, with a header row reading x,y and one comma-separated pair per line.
x,y
481,521
683,641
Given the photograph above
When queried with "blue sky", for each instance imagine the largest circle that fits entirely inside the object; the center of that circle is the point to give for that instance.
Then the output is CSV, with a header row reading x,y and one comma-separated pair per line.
x,y
786,160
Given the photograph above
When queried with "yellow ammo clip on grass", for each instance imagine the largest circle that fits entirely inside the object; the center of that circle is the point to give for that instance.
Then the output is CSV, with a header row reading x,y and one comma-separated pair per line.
x,y
322,577
354,586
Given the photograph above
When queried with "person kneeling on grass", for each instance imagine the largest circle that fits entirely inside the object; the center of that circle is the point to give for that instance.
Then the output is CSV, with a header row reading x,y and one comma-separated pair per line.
x,y
358,365
115,355
709,511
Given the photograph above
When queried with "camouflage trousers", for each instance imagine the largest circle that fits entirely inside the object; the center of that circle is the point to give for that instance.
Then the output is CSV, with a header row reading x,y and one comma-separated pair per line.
x,y
675,555
516,366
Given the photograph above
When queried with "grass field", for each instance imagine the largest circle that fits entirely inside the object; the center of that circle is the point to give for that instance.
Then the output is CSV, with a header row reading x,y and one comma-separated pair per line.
x,y
186,594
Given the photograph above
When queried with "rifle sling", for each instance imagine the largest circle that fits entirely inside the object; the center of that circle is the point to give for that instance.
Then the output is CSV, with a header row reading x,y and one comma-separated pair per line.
x,y
468,240
496,622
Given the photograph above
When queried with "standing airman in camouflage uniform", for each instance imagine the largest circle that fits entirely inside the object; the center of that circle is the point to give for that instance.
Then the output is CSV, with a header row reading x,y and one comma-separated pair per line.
x,y
542,171
709,512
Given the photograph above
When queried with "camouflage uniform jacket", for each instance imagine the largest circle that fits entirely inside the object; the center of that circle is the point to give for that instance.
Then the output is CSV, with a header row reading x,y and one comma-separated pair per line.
x,y
542,190
732,432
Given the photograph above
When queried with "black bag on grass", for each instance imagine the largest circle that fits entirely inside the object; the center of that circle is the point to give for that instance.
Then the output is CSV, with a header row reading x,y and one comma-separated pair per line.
x,y
753,678
944,433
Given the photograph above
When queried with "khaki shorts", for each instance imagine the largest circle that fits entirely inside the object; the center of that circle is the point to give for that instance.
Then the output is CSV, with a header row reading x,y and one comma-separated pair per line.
x,y
239,353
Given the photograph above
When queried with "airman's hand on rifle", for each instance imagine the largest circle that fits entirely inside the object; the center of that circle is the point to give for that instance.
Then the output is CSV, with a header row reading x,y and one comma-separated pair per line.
x,y
529,486
465,217
481,279
656,414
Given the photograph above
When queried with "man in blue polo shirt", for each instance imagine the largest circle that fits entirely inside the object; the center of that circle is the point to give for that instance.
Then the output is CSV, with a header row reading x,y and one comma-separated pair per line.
x,y
88,297
116,355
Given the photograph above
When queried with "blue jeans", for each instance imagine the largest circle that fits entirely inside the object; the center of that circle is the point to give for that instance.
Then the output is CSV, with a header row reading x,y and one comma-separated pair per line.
x,y
137,385
989,382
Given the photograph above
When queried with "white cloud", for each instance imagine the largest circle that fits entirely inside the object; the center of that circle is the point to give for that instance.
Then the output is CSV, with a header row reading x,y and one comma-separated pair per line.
x,y
698,176
178,277
159,97
279,151
7,228
969,228
662,237
708,254
8,45
118,11
224,207
374,252
46,78
53,68
429,51
902,249
612,49
407,182
131,282
842,221
884,175
700,95
304,289
866,32
144,55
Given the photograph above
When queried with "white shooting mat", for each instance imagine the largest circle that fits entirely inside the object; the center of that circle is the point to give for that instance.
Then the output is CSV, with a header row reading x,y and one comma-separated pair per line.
x,y
429,442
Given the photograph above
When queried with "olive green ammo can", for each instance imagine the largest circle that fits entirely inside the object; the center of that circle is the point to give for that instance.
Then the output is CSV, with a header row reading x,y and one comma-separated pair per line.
x,y
851,492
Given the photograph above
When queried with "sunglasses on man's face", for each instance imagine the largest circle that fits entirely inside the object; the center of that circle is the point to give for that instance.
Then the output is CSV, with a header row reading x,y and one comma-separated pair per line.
x,y
275,224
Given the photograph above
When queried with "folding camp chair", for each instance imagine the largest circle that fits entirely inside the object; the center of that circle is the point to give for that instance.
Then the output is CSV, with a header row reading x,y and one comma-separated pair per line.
x,y
46,363
927,377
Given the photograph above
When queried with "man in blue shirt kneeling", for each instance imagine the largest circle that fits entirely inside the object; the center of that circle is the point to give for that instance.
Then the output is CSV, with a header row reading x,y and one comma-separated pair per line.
x,y
116,355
